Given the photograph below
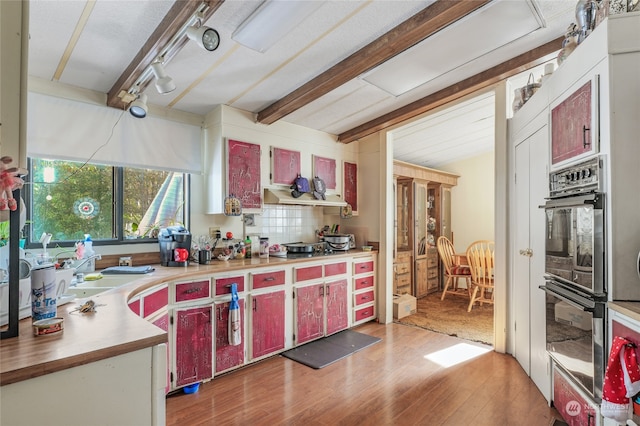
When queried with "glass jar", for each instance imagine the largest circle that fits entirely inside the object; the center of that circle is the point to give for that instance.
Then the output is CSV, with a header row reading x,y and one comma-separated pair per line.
x,y
264,247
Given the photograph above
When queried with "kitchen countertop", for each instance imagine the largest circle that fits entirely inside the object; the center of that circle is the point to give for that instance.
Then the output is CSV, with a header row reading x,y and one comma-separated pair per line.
x,y
113,329
630,309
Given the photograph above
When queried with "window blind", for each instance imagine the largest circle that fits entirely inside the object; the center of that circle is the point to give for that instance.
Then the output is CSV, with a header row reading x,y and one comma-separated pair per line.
x,y
65,129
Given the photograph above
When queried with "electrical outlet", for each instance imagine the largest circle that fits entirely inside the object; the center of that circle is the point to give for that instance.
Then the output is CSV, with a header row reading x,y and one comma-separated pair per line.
x,y
214,232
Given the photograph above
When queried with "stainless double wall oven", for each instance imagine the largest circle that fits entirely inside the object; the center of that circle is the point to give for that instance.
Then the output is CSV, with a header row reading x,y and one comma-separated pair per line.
x,y
575,264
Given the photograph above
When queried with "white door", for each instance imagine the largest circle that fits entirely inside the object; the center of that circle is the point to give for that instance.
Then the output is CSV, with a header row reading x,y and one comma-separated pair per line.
x,y
520,258
531,159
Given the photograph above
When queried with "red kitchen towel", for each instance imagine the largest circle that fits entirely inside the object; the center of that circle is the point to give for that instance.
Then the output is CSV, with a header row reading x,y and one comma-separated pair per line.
x,y
621,380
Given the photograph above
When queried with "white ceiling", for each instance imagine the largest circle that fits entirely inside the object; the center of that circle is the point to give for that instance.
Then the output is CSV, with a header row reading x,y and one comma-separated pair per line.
x,y
113,31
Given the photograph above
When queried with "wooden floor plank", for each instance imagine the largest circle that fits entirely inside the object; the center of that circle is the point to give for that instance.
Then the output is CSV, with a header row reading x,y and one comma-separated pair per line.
x,y
389,383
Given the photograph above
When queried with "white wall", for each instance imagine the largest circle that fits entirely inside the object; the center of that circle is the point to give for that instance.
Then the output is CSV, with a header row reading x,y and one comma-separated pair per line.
x,y
472,200
207,191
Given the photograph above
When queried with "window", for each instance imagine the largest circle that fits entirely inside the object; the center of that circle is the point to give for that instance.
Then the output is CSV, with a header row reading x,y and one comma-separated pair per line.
x,y
114,204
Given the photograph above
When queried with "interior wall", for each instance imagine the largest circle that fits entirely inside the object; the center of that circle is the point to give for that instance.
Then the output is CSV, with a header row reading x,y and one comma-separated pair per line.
x,y
472,200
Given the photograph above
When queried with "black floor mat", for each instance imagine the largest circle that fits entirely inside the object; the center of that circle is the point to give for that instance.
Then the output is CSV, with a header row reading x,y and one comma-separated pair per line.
x,y
325,351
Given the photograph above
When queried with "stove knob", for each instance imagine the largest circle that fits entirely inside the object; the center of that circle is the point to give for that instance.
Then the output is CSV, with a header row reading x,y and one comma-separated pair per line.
x,y
587,172
567,176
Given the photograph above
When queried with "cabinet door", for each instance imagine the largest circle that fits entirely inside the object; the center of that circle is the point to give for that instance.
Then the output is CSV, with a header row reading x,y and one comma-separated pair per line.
x,y
336,298
420,216
228,356
574,408
267,323
309,313
422,287
194,345
162,321
155,300
573,127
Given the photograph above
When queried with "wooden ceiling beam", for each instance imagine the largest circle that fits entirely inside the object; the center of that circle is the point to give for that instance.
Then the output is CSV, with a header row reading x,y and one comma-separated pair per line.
x,y
456,91
176,17
415,29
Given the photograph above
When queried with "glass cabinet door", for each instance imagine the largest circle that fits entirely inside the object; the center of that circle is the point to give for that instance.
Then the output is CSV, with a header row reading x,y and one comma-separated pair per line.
x,y
403,215
420,199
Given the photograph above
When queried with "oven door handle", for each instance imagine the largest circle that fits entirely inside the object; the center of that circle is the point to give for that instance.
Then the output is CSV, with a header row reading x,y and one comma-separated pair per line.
x,y
567,300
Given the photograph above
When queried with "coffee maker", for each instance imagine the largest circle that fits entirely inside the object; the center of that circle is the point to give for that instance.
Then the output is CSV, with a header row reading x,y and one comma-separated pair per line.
x,y
175,246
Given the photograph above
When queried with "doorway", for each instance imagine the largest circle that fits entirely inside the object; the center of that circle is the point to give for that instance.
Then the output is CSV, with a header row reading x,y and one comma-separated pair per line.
x,y
457,139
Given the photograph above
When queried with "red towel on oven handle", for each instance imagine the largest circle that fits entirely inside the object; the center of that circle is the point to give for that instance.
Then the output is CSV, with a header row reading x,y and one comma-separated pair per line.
x,y
621,380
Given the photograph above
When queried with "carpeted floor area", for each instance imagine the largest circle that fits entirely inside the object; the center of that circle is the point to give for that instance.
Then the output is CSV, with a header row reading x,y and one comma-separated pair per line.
x,y
450,317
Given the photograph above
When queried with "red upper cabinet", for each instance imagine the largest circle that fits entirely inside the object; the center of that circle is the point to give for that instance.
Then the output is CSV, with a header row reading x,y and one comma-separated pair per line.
x,y
574,125
228,356
267,323
194,344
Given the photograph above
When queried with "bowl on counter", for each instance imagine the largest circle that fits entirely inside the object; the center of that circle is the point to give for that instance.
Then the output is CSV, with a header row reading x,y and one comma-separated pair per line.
x,y
367,248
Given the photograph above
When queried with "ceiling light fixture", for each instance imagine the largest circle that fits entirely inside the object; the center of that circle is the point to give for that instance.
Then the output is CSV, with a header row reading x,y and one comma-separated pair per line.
x,y
205,37
208,39
164,83
271,21
138,108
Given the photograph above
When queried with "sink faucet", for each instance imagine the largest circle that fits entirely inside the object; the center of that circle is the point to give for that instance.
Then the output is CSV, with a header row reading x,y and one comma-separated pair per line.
x,y
86,264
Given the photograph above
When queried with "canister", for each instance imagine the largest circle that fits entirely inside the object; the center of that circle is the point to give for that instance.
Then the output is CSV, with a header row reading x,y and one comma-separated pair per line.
x,y
43,292
264,247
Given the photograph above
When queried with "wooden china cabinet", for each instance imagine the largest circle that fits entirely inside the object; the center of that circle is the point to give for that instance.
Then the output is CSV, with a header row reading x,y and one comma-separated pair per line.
x,y
422,214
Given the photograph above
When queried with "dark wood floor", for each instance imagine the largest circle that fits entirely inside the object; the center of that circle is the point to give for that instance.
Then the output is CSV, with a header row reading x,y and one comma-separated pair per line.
x,y
389,383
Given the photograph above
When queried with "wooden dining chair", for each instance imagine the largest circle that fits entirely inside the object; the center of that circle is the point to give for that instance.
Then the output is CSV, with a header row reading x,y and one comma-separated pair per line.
x,y
480,256
453,269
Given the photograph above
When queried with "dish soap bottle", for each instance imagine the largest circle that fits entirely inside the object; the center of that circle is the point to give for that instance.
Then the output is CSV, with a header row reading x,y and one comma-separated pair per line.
x,y
88,246
88,265
247,244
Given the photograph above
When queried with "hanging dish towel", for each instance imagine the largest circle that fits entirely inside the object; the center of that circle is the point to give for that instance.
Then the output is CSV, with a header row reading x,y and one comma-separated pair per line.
x,y
235,335
621,380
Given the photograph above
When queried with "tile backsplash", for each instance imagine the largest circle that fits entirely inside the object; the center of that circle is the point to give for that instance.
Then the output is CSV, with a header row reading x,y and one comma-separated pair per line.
x,y
287,224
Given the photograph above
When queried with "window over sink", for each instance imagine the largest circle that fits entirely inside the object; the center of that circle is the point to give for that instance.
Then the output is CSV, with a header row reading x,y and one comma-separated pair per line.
x,y
114,204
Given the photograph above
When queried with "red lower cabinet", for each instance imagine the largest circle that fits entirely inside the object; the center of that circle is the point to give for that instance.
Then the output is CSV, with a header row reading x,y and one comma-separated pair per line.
x,y
194,344
321,309
228,356
336,299
574,408
309,313
267,323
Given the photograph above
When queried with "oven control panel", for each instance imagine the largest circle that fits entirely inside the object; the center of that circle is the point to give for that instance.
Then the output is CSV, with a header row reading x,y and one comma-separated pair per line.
x,y
579,178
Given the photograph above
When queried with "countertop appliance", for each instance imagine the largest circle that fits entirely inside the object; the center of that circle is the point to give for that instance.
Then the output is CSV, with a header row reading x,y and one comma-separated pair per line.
x,y
337,241
175,246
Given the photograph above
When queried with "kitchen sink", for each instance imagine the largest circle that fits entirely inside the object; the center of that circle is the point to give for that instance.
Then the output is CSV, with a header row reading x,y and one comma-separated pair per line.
x,y
91,288
110,281
83,291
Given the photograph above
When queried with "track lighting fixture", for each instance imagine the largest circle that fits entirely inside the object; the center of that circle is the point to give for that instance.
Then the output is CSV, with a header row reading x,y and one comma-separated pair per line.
x,y
138,108
205,37
164,83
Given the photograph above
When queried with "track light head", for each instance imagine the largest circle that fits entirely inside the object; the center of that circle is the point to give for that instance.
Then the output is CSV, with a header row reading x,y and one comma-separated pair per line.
x,y
138,108
164,83
205,37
